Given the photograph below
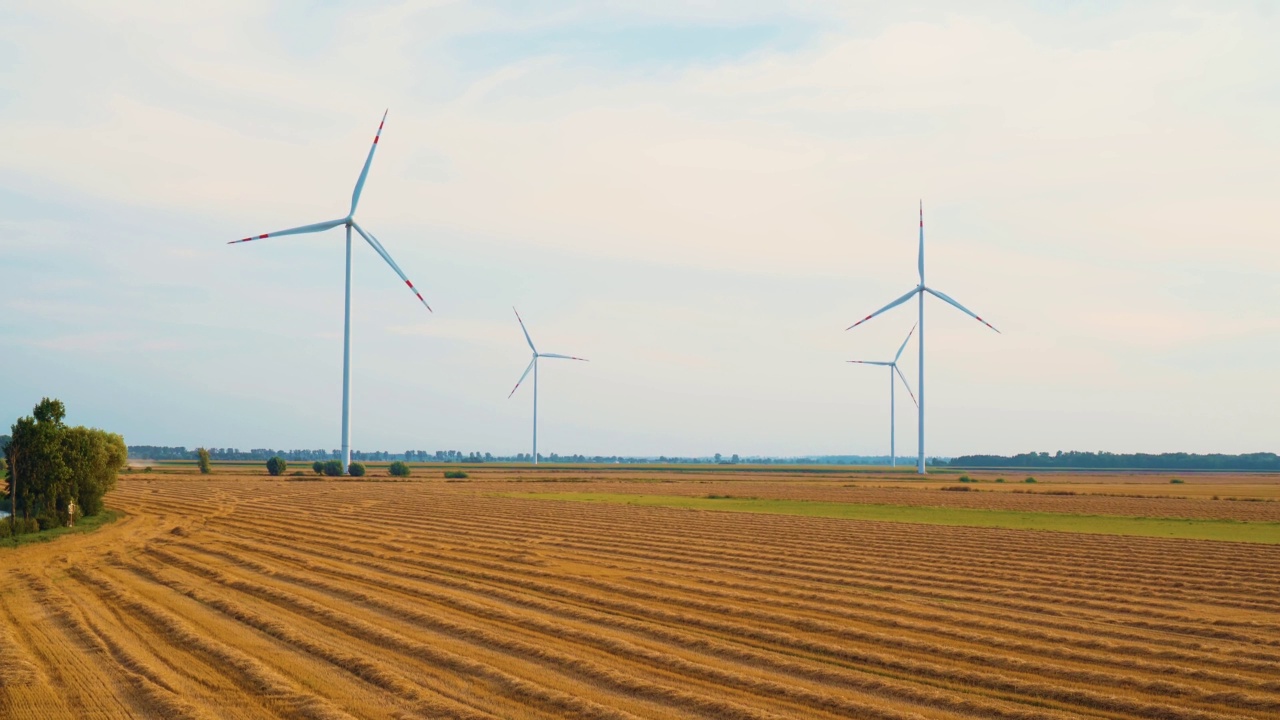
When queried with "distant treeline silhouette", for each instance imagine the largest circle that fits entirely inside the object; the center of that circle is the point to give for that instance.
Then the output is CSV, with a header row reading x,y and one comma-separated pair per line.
x,y
163,452
1127,461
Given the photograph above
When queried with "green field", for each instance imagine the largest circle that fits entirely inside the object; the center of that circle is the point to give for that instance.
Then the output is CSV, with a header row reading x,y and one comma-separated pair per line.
x,y
1190,529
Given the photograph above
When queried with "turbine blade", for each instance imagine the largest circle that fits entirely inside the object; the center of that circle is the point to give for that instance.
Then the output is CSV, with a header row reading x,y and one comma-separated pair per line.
x,y
921,258
870,362
364,172
316,227
562,357
377,247
945,298
904,343
522,377
906,384
526,332
890,306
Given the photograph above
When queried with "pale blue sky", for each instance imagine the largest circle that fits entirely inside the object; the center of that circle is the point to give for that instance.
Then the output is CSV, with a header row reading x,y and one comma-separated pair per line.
x,y
699,197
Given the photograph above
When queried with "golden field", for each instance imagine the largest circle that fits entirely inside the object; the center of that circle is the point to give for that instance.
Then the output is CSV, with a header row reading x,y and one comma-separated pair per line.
x,y
241,596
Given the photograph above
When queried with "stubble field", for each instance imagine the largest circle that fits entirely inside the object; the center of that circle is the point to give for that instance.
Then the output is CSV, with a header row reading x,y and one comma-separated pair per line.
x,y
239,596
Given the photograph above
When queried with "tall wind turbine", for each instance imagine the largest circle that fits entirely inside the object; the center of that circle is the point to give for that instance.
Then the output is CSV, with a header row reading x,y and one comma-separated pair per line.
x,y
533,365
350,222
893,404
920,290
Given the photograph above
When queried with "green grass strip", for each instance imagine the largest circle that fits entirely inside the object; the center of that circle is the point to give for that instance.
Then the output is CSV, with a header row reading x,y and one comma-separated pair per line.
x,y
1190,529
84,525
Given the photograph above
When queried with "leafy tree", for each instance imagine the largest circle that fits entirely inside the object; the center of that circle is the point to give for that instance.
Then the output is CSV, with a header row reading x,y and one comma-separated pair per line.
x,y
202,459
333,468
317,467
4,470
277,465
50,411
95,457
399,469
53,465
356,469
35,455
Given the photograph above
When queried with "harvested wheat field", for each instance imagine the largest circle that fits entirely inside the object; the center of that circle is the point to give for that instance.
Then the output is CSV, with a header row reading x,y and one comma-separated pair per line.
x,y
241,596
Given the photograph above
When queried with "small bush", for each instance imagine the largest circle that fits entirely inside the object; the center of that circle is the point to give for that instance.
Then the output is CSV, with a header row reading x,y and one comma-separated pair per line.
x,y
147,469
999,480
455,474
356,469
958,488
299,473
1029,480
26,526
317,467
202,460
277,465
398,469
966,479
333,468
1176,481
6,529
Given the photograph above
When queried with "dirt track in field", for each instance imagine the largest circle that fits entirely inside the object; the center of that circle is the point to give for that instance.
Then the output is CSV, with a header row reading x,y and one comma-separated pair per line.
x,y
248,598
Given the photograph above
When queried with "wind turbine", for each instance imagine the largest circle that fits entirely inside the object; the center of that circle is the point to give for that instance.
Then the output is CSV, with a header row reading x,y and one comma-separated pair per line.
x,y
350,222
533,365
920,290
893,405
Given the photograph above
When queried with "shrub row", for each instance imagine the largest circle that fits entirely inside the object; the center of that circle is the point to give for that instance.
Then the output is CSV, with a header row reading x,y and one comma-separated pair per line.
x,y
21,526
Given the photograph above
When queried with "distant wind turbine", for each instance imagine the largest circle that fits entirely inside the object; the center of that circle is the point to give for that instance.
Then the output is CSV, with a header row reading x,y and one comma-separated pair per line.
x,y
920,290
893,405
533,365
350,222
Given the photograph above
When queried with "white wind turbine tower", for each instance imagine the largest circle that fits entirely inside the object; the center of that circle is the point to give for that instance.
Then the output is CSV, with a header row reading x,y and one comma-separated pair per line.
x,y
920,290
533,365
350,222
893,404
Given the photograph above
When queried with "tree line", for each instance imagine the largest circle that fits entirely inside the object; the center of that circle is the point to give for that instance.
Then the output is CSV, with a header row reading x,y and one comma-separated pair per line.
x,y
55,472
162,452
1250,462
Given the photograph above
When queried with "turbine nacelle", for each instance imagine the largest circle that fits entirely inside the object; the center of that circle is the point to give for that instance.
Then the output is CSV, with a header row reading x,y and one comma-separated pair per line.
x,y
923,289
